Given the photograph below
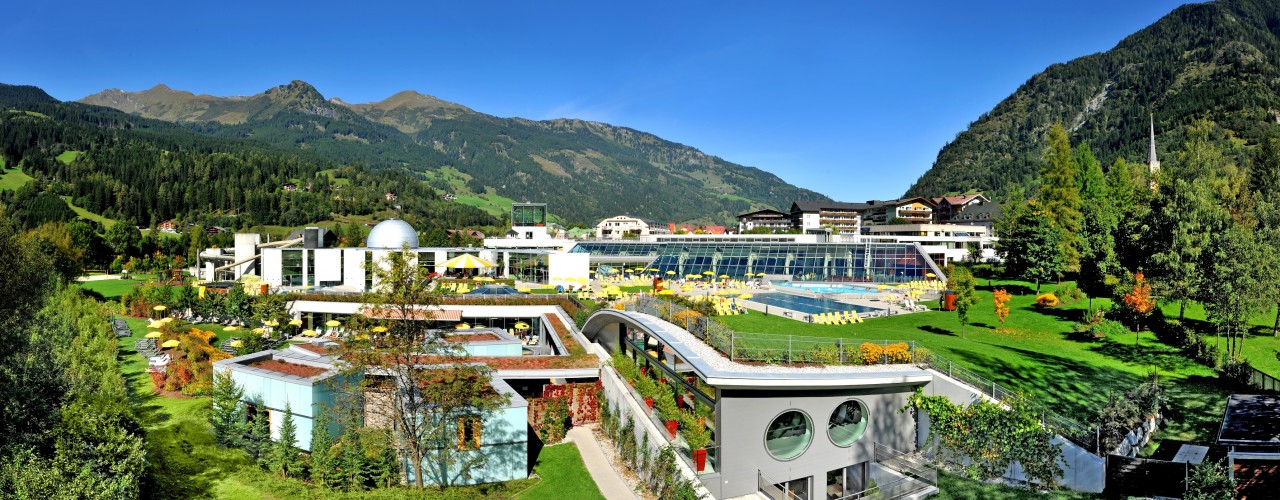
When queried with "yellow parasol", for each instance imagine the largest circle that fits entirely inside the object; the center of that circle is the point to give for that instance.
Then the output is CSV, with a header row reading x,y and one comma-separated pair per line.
x,y
153,335
724,276
671,272
467,261
709,273
309,333
667,291
463,326
522,326
159,308
930,275
295,322
332,323
170,343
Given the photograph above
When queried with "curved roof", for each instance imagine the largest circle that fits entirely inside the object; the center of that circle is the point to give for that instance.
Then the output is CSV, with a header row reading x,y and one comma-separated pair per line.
x,y
392,233
722,372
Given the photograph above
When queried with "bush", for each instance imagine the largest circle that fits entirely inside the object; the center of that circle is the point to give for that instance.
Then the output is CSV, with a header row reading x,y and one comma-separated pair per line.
x,y
1047,300
1236,370
869,353
1068,294
898,353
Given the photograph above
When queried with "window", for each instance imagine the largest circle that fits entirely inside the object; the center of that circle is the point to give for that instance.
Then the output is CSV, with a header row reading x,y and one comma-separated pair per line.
x,y
368,271
291,268
789,435
848,422
469,432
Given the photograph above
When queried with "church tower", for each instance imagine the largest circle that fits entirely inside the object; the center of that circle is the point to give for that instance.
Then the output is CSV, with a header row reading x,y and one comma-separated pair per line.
x,y
1153,163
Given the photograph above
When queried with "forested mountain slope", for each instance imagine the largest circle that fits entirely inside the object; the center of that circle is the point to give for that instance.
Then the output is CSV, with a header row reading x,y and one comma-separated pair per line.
x,y
584,170
1217,60
145,171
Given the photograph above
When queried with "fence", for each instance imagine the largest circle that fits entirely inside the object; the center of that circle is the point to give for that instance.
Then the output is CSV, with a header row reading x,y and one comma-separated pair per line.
x,y
1145,477
1262,381
778,349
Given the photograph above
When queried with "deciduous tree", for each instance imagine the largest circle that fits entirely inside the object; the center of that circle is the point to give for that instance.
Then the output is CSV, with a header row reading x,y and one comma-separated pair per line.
x,y
961,282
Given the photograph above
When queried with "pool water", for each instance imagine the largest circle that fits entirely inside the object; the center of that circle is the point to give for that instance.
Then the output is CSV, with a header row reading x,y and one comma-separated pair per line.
x,y
808,305
827,287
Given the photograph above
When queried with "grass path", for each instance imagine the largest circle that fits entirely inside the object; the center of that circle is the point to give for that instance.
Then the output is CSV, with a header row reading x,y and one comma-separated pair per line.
x,y
564,476
1033,352
13,179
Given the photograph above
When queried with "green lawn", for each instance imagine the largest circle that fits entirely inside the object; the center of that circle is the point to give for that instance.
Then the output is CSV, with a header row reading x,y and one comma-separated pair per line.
x,y
13,179
113,289
106,223
1033,353
69,156
564,477
1260,346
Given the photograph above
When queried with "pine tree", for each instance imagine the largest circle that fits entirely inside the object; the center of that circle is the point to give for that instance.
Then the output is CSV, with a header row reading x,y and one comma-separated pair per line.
x,y
353,462
283,458
388,467
1098,257
323,463
1060,194
228,412
259,439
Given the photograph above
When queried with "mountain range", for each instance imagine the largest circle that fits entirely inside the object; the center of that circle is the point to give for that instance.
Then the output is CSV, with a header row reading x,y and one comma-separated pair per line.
x,y
1218,60
584,170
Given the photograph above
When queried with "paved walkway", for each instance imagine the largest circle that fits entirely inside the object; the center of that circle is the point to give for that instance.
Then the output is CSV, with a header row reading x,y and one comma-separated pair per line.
x,y
611,485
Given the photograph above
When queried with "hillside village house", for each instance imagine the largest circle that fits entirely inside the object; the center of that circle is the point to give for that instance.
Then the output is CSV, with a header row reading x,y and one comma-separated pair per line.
x,y
950,207
767,218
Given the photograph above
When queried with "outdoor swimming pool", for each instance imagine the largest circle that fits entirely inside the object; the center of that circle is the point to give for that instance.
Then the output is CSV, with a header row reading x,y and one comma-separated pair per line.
x,y
808,305
827,287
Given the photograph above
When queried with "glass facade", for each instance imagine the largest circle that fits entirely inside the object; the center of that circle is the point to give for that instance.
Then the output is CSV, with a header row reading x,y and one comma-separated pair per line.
x,y
864,262
529,214
291,268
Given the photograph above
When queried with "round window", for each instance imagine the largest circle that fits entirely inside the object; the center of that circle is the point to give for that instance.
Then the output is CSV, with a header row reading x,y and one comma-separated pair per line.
x,y
847,423
788,435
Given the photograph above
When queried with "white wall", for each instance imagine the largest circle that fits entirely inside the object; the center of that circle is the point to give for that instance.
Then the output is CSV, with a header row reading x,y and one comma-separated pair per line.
x,y
328,264
271,262
567,266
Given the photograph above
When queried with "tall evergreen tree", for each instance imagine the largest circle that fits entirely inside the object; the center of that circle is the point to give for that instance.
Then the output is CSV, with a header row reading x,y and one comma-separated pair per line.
x,y
1098,257
323,462
228,412
1060,194
283,457
258,441
1031,245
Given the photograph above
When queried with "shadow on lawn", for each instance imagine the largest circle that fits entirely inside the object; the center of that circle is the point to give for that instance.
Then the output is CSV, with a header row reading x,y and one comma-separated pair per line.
x,y
1149,354
936,330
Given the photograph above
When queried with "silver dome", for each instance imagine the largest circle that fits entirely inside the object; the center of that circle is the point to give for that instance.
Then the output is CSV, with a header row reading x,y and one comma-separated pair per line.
x,y
392,233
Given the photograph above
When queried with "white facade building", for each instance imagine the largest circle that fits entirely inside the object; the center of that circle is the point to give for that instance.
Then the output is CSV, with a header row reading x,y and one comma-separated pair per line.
x,y
618,226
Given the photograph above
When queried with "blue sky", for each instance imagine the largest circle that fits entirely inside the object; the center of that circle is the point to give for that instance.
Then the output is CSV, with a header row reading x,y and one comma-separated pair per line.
x,y
850,99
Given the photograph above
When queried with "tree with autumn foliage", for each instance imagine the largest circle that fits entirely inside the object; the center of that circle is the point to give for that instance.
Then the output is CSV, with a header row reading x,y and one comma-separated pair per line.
x,y
417,382
1137,302
1001,299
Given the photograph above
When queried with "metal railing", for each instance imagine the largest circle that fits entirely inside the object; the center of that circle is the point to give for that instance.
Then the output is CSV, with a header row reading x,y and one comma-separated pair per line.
x,y
770,489
1262,381
777,349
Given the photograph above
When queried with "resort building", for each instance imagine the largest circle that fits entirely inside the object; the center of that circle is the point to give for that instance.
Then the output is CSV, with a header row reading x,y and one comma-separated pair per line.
x,y
800,257
307,263
918,210
768,219
620,226
950,207
841,218
944,243
985,215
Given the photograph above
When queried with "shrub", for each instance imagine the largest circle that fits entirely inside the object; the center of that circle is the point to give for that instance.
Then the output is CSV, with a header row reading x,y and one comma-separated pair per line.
x,y
1237,370
826,354
1068,294
1047,300
898,353
870,354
